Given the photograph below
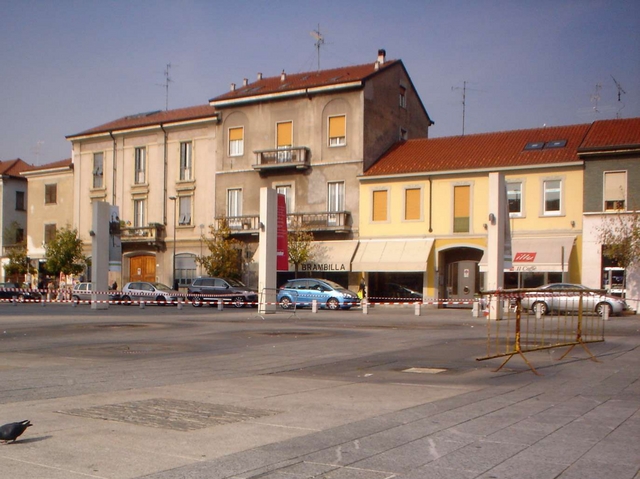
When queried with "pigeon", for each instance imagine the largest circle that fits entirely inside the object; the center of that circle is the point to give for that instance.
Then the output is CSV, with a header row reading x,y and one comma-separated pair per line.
x,y
13,430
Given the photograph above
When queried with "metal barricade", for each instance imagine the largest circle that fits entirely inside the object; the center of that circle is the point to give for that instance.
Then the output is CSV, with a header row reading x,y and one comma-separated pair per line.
x,y
533,321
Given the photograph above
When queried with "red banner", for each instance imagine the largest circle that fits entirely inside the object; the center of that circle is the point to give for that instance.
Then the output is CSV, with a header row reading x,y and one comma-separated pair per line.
x,y
524,258
282,260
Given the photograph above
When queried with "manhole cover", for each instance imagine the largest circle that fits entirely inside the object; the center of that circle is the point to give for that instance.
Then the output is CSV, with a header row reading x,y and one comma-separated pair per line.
x,y
424,370
171,413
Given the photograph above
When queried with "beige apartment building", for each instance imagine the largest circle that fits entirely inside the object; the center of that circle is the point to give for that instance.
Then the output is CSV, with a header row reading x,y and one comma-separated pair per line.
x,y
49,207
309,135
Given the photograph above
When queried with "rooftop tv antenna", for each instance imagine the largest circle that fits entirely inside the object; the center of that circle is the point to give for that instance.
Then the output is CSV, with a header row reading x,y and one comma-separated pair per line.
x,y
319,42
464,100
620,92
165,85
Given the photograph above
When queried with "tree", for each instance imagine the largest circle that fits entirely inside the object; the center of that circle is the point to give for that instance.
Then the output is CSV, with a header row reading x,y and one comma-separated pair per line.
x,y
619,235
19,264
300,245
224,258
64,253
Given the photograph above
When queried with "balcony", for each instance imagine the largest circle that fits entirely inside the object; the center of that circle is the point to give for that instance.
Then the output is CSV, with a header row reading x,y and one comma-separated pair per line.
x,y
295,157
337,222
152,235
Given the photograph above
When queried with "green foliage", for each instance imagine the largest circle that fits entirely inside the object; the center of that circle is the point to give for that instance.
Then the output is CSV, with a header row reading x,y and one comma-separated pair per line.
x,y
19,264
300,245
224,258
620,236
64,253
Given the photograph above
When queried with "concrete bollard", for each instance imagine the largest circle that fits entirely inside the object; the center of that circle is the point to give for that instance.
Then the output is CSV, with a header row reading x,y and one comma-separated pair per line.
x,y
605,313
179,304
220,305
142,304
314,306
13,300
365,306
539,311
417,309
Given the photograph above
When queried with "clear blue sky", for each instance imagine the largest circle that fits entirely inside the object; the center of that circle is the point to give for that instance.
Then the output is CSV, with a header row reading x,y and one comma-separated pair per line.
x,y
69,65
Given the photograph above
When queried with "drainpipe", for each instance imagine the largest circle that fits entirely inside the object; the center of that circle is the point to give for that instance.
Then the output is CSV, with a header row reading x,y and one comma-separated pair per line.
x,y
430,204
166,184
113,185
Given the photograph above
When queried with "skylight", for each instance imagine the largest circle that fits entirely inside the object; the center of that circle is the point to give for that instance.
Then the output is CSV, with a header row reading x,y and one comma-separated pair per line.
x,y
556,144
534,145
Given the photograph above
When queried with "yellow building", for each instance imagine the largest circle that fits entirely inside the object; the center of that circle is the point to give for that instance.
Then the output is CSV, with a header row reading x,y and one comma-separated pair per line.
x,y
424,211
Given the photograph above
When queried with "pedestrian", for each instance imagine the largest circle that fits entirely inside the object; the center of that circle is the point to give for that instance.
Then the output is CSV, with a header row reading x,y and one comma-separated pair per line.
x,y
362,290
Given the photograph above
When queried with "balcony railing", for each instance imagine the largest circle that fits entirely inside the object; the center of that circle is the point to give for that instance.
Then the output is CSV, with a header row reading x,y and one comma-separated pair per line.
x,y
152,234
339,221
298,157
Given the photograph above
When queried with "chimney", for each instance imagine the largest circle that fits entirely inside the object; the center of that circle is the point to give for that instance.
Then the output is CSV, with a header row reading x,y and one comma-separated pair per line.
x,y
245,81
259,76
233,87
382,54
283,76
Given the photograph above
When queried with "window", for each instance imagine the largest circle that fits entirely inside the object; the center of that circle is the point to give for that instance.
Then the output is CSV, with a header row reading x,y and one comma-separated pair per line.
x,y
461,208
615,190
284,140
514,198
49,233
19,235
335,201
412,204
286,191
185,211
337,131
236,141
139,210
380,206
20,200
234,208
98,160
185,161
50,194
403,97
552,194
140,166
403,135
185,268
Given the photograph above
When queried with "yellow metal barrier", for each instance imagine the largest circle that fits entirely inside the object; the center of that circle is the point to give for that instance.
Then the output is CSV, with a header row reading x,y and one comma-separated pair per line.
x,y
533,321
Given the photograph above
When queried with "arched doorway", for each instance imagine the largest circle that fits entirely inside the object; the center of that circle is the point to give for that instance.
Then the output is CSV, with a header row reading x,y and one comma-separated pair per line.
x,y
142,268
462,274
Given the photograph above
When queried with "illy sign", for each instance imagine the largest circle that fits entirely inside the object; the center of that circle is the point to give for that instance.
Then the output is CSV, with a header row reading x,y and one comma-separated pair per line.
x,y
524,258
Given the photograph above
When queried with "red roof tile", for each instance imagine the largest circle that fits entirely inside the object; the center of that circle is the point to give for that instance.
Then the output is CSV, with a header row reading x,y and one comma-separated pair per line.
x,y
152,118
485,150
613,133
297,81
13,167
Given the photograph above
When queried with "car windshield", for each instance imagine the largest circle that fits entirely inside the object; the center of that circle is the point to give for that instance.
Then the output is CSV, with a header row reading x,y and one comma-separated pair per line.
x,y
235,283
161,287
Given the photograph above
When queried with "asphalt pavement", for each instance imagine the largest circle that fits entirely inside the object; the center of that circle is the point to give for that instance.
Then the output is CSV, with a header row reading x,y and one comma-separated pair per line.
x,y
164,393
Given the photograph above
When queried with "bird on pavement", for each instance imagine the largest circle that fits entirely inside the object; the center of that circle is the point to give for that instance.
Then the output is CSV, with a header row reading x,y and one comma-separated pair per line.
x,y
13,430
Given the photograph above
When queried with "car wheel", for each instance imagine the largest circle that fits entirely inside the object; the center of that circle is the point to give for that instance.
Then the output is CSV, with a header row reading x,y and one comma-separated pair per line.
x,y
126,300
196,302
238,302
602,307
333,303
161,300
285,302
544,309
21,298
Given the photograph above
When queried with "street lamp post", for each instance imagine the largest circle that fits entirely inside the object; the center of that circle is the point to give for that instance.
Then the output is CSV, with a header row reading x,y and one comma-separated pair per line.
x,y
175,206
201,235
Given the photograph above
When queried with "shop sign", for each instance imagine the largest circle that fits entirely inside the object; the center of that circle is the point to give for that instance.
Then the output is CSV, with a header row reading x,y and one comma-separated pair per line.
x,y
524,258
528,269
322,267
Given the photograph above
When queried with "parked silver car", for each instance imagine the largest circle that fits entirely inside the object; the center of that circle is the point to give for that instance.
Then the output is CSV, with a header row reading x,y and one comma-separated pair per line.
x,y
566,297
144,291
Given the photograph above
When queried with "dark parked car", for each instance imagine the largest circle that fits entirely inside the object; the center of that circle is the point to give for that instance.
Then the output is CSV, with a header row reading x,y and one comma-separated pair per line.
x,y
397,291
20,293
209,290
330,295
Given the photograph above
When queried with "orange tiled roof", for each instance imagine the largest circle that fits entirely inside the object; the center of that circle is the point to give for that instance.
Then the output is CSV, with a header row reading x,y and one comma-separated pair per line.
x,y
485,150
13,167
52,165
613,133
297,81
152,118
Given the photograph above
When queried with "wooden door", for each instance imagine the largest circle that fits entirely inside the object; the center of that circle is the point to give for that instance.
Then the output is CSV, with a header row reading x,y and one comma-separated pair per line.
x,y
142,268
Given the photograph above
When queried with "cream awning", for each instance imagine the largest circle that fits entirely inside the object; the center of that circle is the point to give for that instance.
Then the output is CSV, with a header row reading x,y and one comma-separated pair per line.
x,y
538,254
392,255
